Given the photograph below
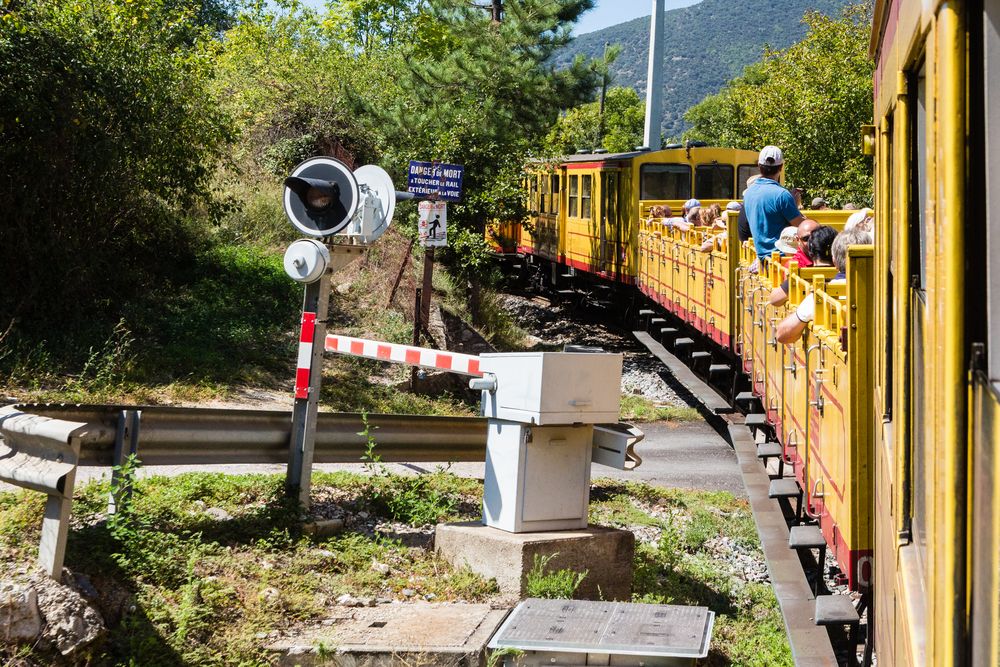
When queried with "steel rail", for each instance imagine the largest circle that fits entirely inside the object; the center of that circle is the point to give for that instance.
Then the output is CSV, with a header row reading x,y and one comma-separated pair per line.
x,y
200,436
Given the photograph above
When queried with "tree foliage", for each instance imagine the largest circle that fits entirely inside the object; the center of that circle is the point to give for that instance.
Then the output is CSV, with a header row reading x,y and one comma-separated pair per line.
x,y
624,119
811,99
107,131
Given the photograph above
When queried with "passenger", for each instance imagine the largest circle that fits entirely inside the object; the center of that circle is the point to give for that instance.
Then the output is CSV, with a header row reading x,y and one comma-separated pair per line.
x,y
743,224
816,248
787,242
819,204
850,206
688,207
790,329
797,194
717,223
770,207
710,216
803,231
863,219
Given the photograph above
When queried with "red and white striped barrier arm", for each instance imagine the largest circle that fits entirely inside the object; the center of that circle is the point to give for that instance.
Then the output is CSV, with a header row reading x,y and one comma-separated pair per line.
x,y
454,362
306,336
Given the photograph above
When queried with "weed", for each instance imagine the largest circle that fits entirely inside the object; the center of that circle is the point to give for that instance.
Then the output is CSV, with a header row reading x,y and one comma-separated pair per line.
x,y
499,657
554,584
640,409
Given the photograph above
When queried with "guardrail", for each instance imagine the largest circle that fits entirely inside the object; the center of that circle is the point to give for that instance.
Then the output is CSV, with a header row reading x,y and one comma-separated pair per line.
x,y
42,445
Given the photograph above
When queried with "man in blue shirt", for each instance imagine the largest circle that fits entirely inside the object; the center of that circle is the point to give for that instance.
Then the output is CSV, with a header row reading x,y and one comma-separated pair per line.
x,y
768,205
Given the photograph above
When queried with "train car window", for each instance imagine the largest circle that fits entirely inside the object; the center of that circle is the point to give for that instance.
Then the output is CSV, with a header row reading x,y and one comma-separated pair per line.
x,y
585,182
665,181
743,172
713,181
543,191
554,202
574,192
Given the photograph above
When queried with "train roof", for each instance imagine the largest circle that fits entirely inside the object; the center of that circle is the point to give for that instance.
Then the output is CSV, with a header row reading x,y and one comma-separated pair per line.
x,y
671,151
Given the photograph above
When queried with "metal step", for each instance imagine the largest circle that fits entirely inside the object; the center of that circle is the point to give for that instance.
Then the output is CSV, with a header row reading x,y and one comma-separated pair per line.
x,y
767,450
566,292
701,355
657,320
805,537
757,420
784,488
683,342
668,331
644,312
715,369
836,610
746,397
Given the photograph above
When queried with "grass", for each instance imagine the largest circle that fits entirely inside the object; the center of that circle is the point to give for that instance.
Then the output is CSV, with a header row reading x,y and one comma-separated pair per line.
x,y
179,587
679,567
636,408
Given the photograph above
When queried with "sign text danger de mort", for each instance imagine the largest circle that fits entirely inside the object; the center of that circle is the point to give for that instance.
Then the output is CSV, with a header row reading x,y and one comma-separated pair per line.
x,y
436,180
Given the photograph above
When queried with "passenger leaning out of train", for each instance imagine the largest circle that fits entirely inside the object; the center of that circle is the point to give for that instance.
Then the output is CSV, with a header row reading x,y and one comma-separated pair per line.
x,y
864,219
714,242
690,213
815,246
770,207
790,329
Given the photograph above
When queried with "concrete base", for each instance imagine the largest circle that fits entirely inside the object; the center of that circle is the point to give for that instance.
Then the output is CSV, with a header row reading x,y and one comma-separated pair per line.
x,y
394,635
606,554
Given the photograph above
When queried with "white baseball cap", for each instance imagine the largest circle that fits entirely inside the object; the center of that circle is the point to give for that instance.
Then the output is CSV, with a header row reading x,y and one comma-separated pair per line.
x,y
691,203
734,206
857,218
785,240
771,156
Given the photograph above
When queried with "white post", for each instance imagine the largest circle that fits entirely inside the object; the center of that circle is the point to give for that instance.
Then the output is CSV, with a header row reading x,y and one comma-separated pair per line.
x,y
654,79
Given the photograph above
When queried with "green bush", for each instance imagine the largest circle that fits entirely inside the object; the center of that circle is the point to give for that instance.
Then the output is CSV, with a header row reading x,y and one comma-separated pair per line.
x,y
553,584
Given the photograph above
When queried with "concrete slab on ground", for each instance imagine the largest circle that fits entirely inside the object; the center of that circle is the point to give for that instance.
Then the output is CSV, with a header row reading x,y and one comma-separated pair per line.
x,y
425,635
605,553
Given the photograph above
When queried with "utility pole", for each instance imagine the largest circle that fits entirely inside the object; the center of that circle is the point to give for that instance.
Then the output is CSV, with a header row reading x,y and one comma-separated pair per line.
x,y
604,94
654,79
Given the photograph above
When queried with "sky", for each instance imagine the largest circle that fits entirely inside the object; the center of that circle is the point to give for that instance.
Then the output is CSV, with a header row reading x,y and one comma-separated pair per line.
x,y
612,12
605,12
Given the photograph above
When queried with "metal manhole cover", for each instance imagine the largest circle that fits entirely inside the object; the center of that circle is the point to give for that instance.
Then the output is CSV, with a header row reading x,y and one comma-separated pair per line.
x,y
607,627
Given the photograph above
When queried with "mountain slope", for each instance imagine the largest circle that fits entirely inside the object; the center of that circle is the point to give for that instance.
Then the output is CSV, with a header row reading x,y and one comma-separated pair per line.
x,y
706,45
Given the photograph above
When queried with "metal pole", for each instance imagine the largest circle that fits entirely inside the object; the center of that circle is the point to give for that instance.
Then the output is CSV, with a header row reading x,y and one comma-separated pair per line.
x,y
399,275
654,79
428,275
417,303
303,437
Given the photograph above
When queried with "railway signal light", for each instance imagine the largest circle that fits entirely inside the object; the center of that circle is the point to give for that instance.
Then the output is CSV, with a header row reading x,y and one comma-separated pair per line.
x,y
321,196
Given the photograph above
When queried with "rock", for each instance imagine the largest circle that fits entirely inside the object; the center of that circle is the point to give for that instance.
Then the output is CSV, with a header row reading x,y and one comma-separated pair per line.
x,y
20,620
200,504
324,527
343,288
71,624
85,586
363,515
325,553
348,600
218,514
269,594
429,597
409,592
381,568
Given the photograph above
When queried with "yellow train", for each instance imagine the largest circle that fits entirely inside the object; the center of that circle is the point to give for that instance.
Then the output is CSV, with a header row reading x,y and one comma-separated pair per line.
x,y
888,409
937,304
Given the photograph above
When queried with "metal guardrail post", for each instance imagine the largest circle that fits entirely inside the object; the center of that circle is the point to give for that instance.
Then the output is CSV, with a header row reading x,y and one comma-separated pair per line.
x,y
126,444
41,454
312,345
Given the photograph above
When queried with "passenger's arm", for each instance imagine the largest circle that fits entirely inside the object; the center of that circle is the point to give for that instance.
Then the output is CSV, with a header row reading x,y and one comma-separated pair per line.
x,y
790,329
778,297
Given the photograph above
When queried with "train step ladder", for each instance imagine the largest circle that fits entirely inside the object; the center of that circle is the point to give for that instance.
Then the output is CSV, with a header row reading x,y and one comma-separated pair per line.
x,y
787,489
838,610
807,538
657,323
683,345
772,450
644,314
715,370
700,356
757,422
